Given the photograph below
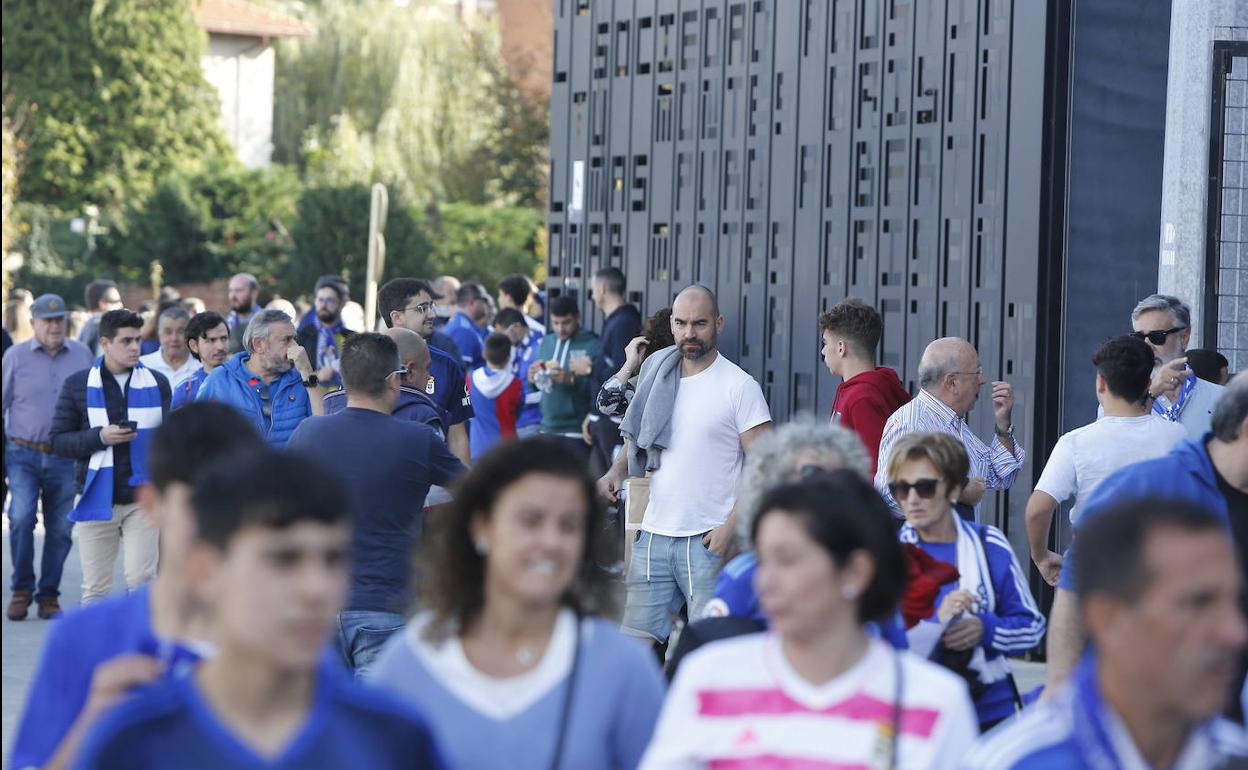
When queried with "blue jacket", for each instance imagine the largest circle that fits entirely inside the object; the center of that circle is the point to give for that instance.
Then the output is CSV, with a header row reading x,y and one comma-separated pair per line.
x,y
233,383
1186,474
468,338
186,392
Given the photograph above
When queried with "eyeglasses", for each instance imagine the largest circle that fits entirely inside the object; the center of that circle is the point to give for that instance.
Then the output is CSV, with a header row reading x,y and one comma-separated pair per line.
x,y
423,307
266,400
1157,337
978,372
399,372
925,487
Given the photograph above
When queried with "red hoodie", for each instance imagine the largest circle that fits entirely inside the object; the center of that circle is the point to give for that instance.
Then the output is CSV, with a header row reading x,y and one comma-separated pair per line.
x,y
865,402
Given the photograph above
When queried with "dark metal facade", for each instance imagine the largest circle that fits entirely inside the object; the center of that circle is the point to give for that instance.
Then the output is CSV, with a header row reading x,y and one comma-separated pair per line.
x,y
1226,276
790,153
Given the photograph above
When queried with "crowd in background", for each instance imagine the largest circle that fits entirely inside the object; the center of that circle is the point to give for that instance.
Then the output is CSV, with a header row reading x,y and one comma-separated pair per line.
x,y
486,536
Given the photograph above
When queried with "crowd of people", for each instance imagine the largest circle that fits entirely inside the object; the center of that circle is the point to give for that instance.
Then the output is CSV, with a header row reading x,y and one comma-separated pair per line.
x,y
406,548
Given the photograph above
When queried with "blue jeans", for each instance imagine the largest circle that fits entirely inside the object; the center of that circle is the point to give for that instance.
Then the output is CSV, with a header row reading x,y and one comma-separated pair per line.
x,y
362,634
664,573
34,475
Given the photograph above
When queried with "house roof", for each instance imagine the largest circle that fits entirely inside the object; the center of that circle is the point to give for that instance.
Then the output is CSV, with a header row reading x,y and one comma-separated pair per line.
x,y
247,19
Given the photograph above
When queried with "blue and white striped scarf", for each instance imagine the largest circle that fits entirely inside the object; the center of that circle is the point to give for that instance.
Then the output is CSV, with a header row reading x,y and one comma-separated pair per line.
x,y
143,406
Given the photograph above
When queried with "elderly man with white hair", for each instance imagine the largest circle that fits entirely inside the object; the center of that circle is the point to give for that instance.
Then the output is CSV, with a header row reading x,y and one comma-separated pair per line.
x,y
1165,323
950,378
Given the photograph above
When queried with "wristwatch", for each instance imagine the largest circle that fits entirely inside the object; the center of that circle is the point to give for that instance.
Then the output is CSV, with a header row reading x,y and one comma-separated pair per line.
x,y
1004,433
312,381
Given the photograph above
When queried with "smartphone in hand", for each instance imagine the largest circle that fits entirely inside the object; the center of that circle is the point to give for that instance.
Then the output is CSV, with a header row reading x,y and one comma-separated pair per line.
x,y
128,425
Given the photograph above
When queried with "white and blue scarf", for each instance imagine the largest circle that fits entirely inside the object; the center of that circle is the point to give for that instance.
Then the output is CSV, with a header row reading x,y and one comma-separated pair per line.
x,y
142,406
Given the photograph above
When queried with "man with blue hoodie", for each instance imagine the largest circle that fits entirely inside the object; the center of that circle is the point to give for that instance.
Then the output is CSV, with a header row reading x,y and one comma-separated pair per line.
x,y
497,395
1211,472
271,381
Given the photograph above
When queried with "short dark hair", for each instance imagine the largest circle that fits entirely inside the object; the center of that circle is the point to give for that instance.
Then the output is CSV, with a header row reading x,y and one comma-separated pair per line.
x,y
564,305
508,316
1109,546
658,331
1208,364
1230,410
857,322
1126,363
335,282
468,292
843,513
193,437
366,360
395,294
517,287
94,293
497,350
452,581
121,318
199,326
613,277
265,488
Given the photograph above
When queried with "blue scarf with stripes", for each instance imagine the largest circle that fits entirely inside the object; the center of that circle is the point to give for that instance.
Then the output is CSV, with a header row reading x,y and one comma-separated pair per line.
x,y
143,407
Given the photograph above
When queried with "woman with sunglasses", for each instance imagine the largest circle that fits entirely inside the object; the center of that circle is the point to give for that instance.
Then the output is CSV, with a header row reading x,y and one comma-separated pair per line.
x,y
816,690
509,660
988,612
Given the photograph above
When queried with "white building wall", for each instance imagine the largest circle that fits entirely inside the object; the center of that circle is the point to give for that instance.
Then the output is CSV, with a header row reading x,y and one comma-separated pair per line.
x,y
242,69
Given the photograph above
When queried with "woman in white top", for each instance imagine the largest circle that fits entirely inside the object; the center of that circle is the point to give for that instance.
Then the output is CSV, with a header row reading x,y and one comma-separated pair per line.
x,y
815,690
506,662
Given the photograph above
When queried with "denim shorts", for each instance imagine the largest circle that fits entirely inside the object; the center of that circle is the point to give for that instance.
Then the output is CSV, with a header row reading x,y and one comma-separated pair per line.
x,y
663,574
361,636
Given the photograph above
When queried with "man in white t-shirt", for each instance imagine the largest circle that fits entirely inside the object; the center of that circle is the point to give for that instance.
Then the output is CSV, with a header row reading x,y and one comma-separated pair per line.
x,y
173,359
719,411
1127,432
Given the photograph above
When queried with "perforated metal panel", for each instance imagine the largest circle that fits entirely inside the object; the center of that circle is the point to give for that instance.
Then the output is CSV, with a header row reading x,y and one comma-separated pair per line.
x,y
790,153
1228,204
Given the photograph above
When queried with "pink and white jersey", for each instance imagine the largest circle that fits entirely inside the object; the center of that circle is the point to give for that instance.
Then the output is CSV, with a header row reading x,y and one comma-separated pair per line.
x,y
738,705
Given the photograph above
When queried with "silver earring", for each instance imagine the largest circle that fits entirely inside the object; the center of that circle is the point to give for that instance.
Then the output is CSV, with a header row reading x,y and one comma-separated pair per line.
x,y
849,593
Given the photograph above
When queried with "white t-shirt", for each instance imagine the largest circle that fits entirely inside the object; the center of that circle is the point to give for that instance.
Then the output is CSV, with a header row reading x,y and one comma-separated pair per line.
x,y
1197,414
156,362
738,700
1085,456
695,487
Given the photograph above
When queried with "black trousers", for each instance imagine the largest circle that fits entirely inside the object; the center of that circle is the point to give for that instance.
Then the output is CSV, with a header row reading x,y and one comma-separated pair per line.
x,y
606,435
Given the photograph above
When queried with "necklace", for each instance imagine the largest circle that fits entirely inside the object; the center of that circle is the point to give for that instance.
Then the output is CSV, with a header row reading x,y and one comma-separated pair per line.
x,y
525,656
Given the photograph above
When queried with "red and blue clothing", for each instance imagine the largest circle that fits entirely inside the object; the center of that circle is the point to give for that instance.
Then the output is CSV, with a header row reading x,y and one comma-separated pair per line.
x,y
496,396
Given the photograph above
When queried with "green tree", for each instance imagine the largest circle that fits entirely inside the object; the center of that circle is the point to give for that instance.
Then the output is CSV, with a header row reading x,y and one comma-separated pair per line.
x,y
484,243
205,224
113,95
331,237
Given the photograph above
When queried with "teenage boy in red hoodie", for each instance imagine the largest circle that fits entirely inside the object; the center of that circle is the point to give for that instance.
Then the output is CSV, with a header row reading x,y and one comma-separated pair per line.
x,y
868,395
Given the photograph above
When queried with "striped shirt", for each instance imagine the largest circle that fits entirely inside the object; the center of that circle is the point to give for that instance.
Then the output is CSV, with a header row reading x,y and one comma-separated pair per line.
x,y
928,414
738,704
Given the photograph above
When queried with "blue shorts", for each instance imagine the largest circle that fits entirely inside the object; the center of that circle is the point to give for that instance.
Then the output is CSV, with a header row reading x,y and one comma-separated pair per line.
x,y
664,573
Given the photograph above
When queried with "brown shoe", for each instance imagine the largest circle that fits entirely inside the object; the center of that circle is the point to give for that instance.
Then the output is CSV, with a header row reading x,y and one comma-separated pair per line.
x,y
49,607
19,605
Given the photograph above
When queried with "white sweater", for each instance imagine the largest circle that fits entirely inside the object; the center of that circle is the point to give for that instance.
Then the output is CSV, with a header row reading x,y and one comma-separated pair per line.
x,y
739,704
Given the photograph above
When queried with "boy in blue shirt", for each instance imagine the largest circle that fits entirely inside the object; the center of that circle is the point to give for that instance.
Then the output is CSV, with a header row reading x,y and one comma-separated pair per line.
x,y
271,564
497,395
94,654
524,341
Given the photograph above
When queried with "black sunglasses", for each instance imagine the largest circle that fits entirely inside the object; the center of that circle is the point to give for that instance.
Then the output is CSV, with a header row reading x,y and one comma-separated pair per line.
x,y
266,402
925,487
1157,337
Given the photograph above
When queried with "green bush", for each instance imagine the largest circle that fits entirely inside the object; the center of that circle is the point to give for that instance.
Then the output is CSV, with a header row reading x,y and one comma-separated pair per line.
x,y
55,258
484,243
331,237
212,223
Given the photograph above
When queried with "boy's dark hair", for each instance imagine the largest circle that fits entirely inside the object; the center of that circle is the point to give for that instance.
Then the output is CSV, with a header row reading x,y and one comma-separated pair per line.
x,y
517,287
199,326
613,277
395,294
1126,363
95,292
508,316
658,331
452,582
367,358
563,306
1208,364
497,350
264,488
121,318
468,292
1109,555
335,282
195,436
843,513
857,322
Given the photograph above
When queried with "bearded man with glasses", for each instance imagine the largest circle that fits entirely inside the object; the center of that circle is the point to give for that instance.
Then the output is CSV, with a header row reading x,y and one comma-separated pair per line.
x,y
1165,323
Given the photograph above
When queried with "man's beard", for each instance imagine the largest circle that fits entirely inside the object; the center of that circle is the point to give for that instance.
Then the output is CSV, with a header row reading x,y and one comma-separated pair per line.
x,y
243,308
326,317
693,350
